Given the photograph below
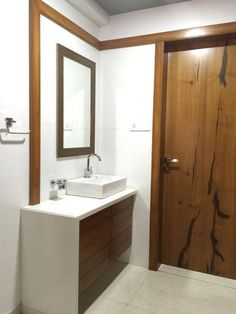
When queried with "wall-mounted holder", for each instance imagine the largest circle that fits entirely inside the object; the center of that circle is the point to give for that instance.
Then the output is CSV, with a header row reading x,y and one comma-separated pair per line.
x,y
9,124
7,131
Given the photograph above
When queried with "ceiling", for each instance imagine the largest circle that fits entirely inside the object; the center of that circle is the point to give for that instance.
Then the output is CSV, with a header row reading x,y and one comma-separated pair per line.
x,y
99,11
113,7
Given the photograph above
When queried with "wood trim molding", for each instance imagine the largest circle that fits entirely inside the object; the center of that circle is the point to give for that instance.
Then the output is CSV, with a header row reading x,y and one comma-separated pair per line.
x,y
170,36
154,249
34,46
67,24
62,151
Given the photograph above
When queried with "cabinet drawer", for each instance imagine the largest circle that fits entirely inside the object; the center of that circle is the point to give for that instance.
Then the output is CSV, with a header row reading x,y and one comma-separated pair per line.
x,y
94,247
92,262
95,220
104,236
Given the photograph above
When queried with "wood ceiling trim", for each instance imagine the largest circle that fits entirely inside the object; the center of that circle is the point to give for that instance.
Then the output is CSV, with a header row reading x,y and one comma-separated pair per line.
x,y
167,37
170,36
67,24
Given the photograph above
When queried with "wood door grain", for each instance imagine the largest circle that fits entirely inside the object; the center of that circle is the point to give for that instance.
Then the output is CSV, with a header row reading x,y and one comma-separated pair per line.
x,y
199,202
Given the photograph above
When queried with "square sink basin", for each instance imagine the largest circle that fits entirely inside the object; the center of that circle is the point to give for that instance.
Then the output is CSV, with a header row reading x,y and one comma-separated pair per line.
x,y
98,186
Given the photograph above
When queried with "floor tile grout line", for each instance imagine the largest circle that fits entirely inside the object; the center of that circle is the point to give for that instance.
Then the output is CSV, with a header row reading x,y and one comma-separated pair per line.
x,y
123,303
139,286
128,303
142,308
142,284
201,280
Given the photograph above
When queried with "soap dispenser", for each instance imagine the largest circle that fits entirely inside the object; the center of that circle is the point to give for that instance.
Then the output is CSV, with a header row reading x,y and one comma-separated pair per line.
x,y
53,189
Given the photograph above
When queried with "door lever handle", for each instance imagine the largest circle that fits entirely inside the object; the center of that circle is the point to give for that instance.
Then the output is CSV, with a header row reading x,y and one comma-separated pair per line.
x,y
168,164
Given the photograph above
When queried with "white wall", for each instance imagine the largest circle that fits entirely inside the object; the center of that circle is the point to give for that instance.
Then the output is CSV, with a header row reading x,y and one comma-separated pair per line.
x,y
126,80
13,157
126,97
171,17
51,166
74,15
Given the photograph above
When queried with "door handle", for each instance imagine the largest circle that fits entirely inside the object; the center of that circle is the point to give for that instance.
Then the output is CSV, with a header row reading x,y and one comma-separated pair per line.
x,y
169,164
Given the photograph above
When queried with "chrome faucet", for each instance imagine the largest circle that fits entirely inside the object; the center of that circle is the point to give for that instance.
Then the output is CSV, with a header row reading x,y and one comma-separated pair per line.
x,y
88,172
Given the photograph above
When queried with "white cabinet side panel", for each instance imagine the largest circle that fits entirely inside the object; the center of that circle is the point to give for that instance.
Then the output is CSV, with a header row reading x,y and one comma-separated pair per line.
x,y
50,259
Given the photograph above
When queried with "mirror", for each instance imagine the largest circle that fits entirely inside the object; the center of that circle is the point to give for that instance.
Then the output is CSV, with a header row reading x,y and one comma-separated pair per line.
x,y
76,103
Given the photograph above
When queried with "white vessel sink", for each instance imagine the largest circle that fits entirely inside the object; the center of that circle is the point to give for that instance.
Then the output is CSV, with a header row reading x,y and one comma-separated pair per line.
x,y
98,186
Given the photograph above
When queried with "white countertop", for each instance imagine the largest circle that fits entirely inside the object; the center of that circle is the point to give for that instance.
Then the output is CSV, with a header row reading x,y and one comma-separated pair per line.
x,y
79,207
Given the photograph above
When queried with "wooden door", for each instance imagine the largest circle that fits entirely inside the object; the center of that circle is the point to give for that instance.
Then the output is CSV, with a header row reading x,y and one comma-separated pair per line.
x,y
199,199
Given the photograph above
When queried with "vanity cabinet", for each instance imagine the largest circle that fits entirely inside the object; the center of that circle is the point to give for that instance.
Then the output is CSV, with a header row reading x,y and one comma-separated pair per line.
x,y
104,236
67,244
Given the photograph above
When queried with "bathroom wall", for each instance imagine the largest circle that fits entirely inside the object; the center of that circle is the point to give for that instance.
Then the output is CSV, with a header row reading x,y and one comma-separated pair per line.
x,y
126,91
51,166
133,149
126,80
14,158
74,15
193,13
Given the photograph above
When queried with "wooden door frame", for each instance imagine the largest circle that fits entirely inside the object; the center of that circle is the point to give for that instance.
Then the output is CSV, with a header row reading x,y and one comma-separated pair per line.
x,y
159,108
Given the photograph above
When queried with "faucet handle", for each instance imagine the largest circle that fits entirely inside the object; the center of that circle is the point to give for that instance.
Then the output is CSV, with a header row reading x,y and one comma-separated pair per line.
x,y
53,183
61,184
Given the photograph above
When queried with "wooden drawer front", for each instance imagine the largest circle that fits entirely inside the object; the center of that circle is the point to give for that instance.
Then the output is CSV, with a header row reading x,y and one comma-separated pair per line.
x,y
128,202
121,243
93,274
91,235
117,251
121,228
94,260
104,236
122,237
122,215
95,234
94,256
94,247
94,220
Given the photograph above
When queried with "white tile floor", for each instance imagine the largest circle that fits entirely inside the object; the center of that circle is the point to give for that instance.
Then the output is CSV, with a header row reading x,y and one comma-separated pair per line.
x,y
169,291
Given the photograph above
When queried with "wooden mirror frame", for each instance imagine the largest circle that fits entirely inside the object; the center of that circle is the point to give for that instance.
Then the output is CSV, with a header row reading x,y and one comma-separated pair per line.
x,y
161,40
72,55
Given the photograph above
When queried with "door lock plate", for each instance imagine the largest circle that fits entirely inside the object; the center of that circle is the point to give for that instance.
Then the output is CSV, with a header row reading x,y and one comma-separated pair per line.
x,y
169,164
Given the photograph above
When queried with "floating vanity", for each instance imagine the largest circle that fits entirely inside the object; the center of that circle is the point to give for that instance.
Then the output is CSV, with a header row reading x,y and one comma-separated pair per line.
x,y
67,244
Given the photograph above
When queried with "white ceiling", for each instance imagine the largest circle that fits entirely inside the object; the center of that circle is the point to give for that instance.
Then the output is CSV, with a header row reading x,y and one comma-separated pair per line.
x,y
113,7
92,10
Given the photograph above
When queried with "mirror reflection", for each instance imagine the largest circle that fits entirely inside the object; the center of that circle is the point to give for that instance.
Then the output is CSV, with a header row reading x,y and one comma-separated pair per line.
x,y
76,102
77,91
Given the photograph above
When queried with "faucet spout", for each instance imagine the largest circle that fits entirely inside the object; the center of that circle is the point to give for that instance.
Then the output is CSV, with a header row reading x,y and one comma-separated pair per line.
x,y
88,171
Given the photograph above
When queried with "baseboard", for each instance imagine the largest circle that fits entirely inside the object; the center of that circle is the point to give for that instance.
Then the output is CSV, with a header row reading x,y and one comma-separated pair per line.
x,y
27,310
17,310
